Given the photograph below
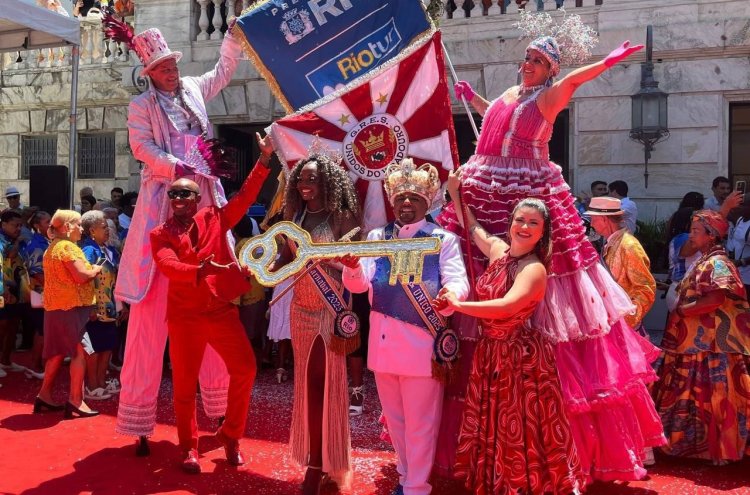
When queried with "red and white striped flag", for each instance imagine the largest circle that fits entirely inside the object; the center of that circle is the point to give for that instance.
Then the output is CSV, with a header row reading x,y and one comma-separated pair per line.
x,y
402,111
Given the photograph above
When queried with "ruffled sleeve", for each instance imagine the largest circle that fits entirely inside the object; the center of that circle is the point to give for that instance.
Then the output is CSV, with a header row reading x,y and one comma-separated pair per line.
x,y
718,273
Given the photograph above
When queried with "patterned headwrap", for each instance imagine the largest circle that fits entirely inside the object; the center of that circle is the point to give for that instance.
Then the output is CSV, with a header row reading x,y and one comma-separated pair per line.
x,y
713,221
547,46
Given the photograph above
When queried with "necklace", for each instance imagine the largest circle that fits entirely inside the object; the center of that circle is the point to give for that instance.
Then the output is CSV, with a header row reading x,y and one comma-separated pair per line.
x,y
529,89
313,212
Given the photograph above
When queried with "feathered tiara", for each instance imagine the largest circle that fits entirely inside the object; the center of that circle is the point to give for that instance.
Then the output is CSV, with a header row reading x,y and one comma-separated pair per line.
x,y
574,38
318,147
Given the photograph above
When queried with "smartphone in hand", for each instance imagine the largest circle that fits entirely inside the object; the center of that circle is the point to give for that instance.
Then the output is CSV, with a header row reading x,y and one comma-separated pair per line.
x,y
740,186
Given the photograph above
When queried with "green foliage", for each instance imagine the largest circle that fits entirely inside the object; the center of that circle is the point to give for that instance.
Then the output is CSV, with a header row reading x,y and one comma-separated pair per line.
x,y
653,237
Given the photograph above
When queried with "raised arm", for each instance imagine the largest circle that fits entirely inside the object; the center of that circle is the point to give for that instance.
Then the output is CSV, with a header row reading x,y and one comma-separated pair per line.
x,y
463,88
238,205
483,240
212,82
556,98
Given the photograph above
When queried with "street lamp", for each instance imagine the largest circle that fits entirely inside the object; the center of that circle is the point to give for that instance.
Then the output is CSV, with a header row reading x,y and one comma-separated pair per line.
x,y
649,117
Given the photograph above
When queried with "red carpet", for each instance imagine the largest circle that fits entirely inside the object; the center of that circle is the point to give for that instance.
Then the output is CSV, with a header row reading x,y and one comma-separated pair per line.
x,y
43,454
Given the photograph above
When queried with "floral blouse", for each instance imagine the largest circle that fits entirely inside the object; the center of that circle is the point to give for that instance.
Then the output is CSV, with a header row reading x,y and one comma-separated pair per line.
x,y
61,291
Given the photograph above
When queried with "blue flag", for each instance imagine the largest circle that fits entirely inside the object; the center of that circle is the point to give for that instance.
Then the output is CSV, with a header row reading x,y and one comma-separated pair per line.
x,y
306,49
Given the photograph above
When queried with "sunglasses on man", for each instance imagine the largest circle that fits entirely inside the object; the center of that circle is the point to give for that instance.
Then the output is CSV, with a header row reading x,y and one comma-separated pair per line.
x,y
180,193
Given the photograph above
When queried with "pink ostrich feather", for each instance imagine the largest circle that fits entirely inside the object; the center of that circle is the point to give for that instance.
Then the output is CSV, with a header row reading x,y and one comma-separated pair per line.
x,y
117,30
219,159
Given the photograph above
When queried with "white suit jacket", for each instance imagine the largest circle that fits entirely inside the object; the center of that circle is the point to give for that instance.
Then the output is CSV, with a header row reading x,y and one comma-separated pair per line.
x,y
148,128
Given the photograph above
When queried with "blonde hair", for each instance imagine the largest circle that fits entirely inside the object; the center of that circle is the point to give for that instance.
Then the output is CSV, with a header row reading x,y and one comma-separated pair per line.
x,y
61,218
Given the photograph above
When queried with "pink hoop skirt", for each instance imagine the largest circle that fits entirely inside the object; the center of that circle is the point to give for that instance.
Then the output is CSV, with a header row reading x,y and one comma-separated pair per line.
x,y
602,363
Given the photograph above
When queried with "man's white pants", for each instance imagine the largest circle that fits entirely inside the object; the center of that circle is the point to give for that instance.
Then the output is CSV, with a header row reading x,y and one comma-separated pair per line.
x,y
412,408
142,366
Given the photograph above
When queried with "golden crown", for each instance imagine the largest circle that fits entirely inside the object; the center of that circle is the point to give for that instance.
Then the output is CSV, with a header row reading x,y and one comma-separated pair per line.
x,y
374,142
407,177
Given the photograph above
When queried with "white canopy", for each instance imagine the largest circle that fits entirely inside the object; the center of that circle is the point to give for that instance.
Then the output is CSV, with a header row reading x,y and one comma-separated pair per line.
x,y
26,26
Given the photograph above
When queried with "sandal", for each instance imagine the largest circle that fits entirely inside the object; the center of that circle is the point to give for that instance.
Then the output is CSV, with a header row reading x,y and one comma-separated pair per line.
x,y
357,393
281,375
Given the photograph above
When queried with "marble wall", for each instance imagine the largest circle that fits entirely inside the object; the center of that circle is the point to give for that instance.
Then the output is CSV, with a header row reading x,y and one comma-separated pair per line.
x,y
701,53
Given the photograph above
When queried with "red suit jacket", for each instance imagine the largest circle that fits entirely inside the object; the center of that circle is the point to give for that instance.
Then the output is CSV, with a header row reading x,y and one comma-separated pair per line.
x,y
179,251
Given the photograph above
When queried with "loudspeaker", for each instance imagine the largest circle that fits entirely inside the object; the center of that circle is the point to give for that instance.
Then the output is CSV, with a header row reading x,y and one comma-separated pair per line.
x,y
49,187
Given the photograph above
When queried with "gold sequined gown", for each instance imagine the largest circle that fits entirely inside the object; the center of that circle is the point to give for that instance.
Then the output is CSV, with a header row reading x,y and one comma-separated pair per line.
x,y
309,319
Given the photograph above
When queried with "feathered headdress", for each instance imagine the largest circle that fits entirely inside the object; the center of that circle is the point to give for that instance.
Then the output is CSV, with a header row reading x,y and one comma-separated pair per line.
x,y
574,39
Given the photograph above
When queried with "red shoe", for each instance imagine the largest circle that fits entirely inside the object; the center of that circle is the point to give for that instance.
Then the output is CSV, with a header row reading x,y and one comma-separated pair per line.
x,y
231,449
190,462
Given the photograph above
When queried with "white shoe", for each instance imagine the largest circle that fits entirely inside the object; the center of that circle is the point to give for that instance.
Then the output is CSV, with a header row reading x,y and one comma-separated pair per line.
x,y
97,394
113,386
33,374
648,457
12,367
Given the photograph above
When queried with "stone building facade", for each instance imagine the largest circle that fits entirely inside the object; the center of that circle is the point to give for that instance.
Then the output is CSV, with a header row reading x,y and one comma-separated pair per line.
x,y
701,55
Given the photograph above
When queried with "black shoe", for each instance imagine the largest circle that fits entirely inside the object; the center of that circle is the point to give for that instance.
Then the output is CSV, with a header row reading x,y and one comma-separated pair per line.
x,y
398,491
141,447
71,410
190,463
40,406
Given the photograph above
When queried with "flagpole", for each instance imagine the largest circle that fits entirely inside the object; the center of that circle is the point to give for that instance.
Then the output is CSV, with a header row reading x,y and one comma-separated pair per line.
x,y
454,76
464,206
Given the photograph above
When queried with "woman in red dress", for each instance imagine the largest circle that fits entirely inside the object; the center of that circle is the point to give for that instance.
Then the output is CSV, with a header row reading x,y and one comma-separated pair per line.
x,y
514,436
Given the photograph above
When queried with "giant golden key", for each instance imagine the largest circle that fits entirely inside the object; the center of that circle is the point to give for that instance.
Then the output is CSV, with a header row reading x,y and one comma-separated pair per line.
x,y
406,255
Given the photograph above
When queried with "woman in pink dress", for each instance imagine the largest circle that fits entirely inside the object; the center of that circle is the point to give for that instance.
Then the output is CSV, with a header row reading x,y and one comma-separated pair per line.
x,y
603,365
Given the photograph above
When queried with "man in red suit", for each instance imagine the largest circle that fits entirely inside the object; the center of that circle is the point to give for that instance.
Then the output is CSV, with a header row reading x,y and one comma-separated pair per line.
x,y
192,250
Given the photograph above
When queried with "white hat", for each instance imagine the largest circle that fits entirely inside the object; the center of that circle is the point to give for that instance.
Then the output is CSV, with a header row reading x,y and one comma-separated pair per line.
x,y
12,191
152,49
604,206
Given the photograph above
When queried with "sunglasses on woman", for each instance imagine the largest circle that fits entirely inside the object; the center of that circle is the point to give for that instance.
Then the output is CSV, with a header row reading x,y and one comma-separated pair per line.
x,y
180,193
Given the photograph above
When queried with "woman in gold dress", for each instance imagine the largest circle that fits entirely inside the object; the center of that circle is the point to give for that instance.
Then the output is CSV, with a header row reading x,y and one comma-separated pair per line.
x,y
321,199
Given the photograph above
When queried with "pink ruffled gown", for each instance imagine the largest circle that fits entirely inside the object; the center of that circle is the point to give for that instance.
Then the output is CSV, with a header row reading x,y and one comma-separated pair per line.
x,y
602,363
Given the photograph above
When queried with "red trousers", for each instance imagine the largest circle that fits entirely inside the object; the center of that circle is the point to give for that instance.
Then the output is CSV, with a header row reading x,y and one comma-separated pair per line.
x,y
189,333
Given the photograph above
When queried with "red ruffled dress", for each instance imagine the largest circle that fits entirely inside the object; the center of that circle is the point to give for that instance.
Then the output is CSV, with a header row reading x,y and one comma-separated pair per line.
x,y
515,436
602,363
